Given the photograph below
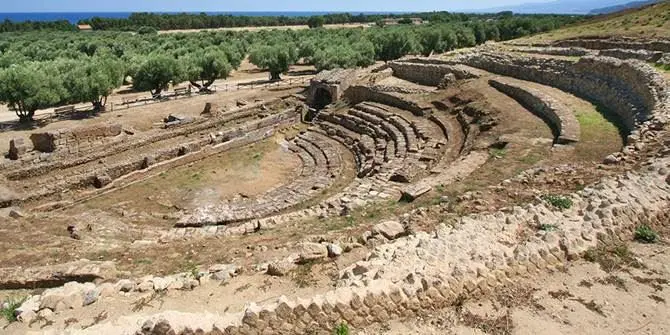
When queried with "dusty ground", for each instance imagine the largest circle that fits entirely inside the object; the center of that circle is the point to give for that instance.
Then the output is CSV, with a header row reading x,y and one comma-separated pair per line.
x,y
586,298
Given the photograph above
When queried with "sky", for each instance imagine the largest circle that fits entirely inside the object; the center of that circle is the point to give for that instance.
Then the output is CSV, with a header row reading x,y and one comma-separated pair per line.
x,y
248,5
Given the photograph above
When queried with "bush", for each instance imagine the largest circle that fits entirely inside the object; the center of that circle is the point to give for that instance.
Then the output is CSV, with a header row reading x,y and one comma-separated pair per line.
x,y
145,30
645,234
558,201
9,313
342,329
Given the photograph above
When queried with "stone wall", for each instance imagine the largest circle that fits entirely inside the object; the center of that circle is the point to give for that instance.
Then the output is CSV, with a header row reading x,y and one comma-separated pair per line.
x,y
358,94
643,55
244,134
335,82
629,89
605,43
428,72
75,140
479,252
560,118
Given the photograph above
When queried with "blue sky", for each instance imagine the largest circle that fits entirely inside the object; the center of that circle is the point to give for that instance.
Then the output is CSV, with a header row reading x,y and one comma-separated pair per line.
x,y
248,5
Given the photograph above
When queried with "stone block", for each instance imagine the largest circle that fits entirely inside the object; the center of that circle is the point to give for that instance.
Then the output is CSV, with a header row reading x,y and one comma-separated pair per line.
x,y
413,192
17,148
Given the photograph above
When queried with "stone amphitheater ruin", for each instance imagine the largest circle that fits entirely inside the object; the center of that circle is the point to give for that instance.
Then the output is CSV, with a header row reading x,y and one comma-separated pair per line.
x,y
392,136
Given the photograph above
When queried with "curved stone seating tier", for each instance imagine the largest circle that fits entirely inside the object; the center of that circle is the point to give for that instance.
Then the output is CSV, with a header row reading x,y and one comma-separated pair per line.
x,y
480,253
560,118
321,163
411,138
628,88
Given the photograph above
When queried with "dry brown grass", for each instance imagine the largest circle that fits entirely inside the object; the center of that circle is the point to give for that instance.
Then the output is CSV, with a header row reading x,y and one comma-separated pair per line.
x,y
648,22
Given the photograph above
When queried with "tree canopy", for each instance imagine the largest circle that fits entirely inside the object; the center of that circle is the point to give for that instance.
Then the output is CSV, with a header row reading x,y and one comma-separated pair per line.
x,y
275,58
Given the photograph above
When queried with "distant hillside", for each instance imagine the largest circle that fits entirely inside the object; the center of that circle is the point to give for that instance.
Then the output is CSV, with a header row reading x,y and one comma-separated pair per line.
x,y
558,6
652,21
612,9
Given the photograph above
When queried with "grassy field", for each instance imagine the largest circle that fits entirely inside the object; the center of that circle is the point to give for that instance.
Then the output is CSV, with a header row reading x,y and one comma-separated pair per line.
x,y
647,22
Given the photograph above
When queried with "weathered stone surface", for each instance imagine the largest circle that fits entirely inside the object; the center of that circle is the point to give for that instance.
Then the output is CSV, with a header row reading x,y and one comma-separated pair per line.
x,y
55,275
413,192
334,250
389,229
281,268
17,148
7,196
102,180
309,252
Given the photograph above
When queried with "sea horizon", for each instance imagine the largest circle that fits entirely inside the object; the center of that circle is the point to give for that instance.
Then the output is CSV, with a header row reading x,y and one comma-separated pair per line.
x,y
74,17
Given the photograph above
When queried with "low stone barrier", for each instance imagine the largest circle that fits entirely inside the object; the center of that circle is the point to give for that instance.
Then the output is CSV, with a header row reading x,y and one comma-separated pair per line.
x,y
561,119
74,140
643,55
609,43
429,72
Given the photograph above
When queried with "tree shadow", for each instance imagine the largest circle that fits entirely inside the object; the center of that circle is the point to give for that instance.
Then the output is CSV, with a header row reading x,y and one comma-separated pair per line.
x,y
46,119
301,73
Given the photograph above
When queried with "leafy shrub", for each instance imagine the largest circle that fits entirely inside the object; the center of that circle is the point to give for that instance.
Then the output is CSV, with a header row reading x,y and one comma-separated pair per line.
x,y
645,234
342,329
145,30
9,313
558,201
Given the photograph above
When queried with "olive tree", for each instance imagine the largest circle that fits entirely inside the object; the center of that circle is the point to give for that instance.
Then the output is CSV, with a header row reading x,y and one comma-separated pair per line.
x,y
156,73
94,80
206,68
29,87
276,58
393,44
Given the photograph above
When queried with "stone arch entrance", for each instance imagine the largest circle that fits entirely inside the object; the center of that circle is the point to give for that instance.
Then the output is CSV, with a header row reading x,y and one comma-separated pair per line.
x,y
322,98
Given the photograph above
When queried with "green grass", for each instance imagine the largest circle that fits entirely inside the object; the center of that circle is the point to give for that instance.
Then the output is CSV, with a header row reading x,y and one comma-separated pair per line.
x,y
9,313
497,153
548,227
341,329
645,234
558,201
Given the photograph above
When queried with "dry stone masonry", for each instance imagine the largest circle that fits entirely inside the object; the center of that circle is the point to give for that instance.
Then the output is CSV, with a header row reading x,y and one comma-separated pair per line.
x,y
480,252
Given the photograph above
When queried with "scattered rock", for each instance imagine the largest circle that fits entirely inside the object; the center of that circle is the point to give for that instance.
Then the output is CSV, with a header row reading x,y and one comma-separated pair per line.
x,y
334,250
281,268
90,297
309,251
413,192
16,214
125,285
611,160
389,229
17,148
74,233
102,180
241,103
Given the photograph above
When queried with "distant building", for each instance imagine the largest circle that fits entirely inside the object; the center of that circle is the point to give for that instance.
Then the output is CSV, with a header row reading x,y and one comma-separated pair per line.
x,y
84,27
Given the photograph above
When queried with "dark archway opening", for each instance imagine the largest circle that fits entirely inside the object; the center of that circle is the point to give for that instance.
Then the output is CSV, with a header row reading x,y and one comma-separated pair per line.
x,y
322,98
